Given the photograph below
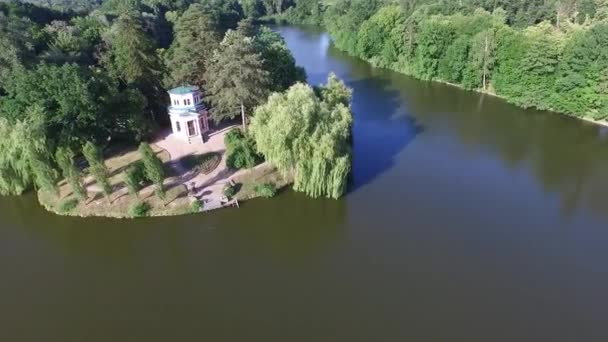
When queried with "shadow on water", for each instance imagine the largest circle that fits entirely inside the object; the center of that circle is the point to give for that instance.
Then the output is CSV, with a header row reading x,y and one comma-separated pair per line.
x,y
382,129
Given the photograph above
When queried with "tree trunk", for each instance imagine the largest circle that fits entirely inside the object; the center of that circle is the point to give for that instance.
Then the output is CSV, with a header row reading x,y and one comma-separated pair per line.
x,y
243,117
485,62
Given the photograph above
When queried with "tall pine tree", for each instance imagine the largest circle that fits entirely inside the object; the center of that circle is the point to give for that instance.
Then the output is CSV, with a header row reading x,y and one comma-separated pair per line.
x,y
236,79
195,38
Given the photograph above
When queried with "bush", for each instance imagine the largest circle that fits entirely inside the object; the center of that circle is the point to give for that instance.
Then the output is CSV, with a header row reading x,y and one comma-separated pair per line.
x,y
140,209
197,206
267,190
229,190
138,172
241,152
68,205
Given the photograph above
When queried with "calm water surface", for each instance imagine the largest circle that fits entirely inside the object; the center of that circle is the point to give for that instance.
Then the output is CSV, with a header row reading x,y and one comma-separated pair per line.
x,y
468,220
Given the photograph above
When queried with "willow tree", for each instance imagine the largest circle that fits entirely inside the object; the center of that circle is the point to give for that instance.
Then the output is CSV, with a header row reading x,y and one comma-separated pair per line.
x,y
23,157
307,133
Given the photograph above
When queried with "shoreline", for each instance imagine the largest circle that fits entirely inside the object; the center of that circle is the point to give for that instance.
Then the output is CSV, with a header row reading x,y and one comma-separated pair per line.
x,y
283,21
189,190
602,123
241,197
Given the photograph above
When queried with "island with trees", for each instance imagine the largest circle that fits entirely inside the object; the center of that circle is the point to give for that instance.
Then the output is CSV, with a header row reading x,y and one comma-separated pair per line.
x,y
84,108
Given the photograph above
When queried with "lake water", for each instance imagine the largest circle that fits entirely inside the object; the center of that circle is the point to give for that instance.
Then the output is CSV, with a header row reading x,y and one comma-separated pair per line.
x,y
468,219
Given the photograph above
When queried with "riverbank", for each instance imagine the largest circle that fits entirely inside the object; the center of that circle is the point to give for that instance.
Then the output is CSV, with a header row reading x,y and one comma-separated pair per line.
x,y
190,188
602,123
522,92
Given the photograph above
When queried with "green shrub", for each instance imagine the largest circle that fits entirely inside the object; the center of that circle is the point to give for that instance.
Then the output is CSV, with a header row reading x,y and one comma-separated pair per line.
x,y
267,190
134,177
138,172
233,137
140,209
229,190
68,205
197,206
241,152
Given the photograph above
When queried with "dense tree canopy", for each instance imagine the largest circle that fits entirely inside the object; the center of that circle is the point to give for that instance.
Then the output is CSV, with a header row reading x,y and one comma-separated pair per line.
x,y
194,28
548,54
277,60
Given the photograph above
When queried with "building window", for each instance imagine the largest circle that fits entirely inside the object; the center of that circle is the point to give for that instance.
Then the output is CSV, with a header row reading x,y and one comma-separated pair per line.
x,y
177,126
187,102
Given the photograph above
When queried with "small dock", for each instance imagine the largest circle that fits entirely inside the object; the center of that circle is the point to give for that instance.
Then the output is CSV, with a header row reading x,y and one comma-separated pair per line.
x,y
213,205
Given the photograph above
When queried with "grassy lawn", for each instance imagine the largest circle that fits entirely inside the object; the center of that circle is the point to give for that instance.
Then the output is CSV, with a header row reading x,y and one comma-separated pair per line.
x,y
262,174
120,202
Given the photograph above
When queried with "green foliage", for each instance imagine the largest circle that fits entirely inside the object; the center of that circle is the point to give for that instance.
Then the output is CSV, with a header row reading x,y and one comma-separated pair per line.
x,y
64,156
44,174
74,105
134,177
547,54
196,206
236,79
23,161
241,152
433,40
97,168
68,205
277,60
454,66
381,37
153,168
267,190
308,134
140,209
130,53
229,190
194,28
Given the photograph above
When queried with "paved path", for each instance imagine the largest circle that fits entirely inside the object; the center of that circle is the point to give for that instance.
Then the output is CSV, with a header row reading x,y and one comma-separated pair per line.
x,y
208,188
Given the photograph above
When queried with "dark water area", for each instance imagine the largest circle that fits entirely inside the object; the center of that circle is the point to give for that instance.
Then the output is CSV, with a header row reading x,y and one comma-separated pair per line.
x,y
468,219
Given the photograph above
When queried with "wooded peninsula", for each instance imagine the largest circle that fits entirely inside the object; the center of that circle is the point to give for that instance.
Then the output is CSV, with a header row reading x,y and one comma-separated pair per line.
x,y
88,89
84,109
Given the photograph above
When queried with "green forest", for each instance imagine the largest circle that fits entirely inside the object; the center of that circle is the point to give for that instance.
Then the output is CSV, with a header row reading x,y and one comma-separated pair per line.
x,y
78,77
548,54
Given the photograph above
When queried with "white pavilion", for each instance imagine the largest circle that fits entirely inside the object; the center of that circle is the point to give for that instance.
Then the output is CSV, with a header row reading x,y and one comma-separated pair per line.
x,y
189,118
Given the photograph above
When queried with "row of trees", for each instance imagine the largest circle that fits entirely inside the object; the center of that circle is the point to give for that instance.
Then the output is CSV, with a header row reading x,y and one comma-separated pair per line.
x,y
549,54
26,159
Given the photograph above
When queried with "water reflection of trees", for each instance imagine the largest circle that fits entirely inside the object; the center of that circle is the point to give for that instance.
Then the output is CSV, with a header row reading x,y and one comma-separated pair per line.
x,y
567,156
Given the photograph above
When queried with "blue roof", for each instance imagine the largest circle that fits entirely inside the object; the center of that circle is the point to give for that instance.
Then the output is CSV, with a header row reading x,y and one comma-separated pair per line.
x,y
183,90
